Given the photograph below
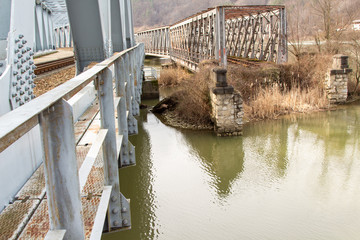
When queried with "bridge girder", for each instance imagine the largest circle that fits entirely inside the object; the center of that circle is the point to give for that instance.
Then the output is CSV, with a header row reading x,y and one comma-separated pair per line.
x,y
257,32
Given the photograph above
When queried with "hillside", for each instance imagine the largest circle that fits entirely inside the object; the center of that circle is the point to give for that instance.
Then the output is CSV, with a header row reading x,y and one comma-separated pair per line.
x,y
305,17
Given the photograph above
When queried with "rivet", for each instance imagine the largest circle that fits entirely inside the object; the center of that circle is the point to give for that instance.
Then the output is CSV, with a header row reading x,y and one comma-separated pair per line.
x,y
27,77
18,88
124,210
33,85
115,210
18,77
19,55
16,61
16,51
30,82
1,64
33,67
31,62
28,49
14,95
23,61
22,82
21,103
15,73
33,76
22,92
27,88
31,53
30,92
116,223
31,71
27,67
26,98
102,94
23,51
113,198
24,41
131,152
17,40
27,58
19,66
14,84
21,36
20,45
17,99
125,222
33,96
22,71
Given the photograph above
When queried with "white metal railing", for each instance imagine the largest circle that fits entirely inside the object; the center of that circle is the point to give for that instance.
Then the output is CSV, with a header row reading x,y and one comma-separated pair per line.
x,y
54,115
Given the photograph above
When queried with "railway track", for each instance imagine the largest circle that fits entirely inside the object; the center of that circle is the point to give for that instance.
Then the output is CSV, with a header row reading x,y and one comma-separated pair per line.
x,y
241,61
55,64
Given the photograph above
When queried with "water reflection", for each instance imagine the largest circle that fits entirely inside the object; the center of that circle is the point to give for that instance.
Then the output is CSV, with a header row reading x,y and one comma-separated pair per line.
x,y
293,178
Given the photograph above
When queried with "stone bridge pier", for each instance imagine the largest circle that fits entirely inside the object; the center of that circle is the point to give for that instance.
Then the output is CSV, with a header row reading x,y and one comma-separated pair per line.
x,y
227,110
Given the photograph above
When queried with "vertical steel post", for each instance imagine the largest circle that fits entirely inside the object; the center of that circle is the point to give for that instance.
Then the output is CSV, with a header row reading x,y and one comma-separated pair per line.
x,y
111,172
282,49
220,46
61,173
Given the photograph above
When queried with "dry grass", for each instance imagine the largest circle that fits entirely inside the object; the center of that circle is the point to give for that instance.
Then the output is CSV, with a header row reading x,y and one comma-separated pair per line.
x,y
272,102
173,76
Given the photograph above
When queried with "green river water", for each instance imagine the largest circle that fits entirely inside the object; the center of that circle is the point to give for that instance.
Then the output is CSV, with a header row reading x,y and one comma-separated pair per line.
x,y
296,178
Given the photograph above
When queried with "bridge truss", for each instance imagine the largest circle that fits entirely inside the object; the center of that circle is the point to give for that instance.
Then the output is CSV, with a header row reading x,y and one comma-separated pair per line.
x,y
256,32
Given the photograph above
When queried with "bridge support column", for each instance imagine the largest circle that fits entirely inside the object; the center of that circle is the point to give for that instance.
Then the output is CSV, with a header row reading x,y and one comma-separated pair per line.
x,y
227,111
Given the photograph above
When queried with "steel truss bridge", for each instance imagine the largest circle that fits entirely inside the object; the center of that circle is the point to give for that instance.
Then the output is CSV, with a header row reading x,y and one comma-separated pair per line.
x,y
255,32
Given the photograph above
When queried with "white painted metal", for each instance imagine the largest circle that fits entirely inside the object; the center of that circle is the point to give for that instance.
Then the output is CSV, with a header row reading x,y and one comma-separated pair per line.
x,y
55,235
97,230
61,174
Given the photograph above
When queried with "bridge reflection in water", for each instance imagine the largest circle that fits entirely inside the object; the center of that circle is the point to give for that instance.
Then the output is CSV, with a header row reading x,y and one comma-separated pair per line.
x,y
293,178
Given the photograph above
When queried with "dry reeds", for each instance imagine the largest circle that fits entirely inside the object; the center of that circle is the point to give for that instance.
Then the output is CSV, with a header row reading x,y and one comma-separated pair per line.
x,y
173,76
272,102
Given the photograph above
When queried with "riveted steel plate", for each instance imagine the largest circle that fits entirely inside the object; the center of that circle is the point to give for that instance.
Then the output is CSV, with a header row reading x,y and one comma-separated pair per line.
x,y
14,217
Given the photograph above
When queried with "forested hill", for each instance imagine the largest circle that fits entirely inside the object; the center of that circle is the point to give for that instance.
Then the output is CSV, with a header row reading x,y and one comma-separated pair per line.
x,y
306,17
149,13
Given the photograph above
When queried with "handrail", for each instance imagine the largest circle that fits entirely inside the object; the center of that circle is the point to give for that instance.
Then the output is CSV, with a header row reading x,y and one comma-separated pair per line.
x,y
16,123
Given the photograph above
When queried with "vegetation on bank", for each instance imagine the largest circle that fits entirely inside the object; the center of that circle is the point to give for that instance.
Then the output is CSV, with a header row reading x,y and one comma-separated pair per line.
x,y
268,90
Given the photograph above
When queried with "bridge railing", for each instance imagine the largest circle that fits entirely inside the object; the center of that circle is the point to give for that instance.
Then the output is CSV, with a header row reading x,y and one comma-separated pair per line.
x,y
256,32
156,41
55,117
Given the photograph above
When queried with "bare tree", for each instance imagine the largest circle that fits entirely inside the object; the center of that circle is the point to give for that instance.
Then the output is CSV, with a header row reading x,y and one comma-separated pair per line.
x,y
324,8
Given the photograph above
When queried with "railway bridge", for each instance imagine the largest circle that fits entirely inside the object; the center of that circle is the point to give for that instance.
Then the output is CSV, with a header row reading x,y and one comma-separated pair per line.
x,y
60,152
255,32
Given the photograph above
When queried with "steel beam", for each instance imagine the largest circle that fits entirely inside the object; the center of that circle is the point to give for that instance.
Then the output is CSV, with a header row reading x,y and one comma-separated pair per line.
x,y
84,18
61,173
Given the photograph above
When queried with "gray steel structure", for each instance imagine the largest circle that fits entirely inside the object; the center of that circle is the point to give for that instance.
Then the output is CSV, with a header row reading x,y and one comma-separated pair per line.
x,y
256,32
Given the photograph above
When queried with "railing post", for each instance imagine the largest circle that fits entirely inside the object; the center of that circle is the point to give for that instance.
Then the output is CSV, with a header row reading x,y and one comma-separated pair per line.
x,y
220,46
111,172
61,172
132,122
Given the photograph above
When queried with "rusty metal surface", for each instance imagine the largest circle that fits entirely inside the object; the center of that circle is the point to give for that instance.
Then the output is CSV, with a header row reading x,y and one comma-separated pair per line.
x,y
38,225
95,181
241,11
81,152
84,121
14,217
90,206
34,187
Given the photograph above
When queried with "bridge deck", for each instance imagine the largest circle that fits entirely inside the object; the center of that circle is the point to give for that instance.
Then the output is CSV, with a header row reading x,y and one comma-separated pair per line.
x,y
27,217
